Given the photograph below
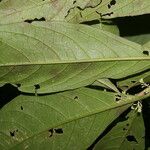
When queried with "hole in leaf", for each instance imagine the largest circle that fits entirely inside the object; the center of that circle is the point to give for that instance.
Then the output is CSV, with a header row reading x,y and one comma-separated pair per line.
x,y
146,53
37,86
118,95
131,138
146,92
133,81
107,14
35,19
109,6
74,2
12,133
113,2
51,131
118,98
124,129
127,124
21,107
76,98
58,131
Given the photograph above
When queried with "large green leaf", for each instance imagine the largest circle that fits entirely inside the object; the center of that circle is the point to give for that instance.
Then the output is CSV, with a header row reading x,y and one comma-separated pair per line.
x,y
27,122
18,11
57,56
126,135
110,9
69,10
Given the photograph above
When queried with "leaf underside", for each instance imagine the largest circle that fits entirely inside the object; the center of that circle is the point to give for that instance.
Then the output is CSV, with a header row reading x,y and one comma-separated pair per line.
x,y
78,114
63,59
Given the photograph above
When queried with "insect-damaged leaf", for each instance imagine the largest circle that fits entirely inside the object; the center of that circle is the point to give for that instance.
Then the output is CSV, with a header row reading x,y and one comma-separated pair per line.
x,y
108,9
69,10
56,56
127,134
58,121
26,10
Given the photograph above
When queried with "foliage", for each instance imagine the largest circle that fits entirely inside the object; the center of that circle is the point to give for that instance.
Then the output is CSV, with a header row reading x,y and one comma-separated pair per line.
x,y
68,76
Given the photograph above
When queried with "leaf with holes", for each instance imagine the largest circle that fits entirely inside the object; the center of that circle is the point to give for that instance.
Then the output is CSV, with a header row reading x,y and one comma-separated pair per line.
x,y
69,56
108,9
127,134
58,121
139,79
12,11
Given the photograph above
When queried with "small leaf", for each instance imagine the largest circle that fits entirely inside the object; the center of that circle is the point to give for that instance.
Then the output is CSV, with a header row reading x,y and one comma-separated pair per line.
x,y
106,83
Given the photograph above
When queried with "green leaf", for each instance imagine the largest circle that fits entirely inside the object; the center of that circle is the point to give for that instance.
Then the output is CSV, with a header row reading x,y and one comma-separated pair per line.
x,y
108,26
106,83
147,45
140,39
135,80
18,11
31,121
111,9
126,135
57,56
69,10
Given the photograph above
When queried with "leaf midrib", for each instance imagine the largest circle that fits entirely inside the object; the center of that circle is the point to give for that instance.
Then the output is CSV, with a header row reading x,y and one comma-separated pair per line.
x,y
77,61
